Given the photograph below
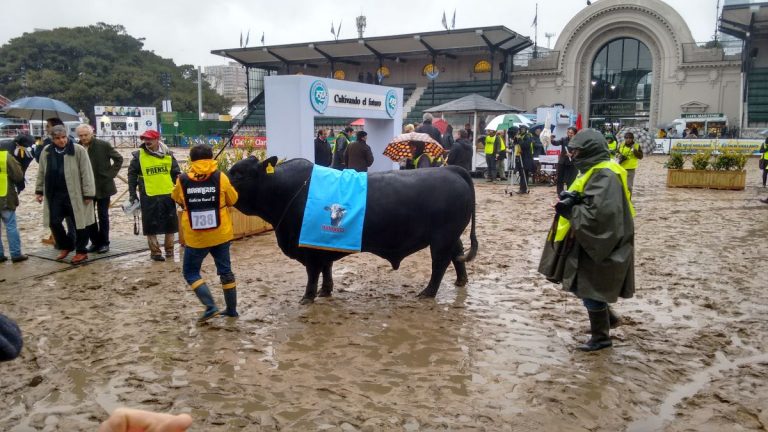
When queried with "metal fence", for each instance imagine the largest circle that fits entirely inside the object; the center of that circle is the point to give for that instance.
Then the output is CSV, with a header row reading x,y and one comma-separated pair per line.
x,y
712,51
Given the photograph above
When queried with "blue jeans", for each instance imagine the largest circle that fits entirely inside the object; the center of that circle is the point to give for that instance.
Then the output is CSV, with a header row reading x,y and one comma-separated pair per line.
x,y
594,305
193,260
8,217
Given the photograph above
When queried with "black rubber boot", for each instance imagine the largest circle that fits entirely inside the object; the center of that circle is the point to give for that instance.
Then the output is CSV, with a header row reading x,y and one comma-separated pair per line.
x,y
229,285
230,297
613,319
204,294
600,328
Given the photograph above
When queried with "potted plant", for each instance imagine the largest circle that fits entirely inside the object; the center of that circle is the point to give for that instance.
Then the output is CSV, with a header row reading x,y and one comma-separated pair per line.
x,y
727,170
242,225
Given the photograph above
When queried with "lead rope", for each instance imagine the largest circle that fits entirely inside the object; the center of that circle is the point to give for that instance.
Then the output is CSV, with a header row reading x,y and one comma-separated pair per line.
x,y
291,202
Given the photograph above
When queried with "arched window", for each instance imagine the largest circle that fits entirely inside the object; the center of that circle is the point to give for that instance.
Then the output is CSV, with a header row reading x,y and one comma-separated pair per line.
x,y
621,84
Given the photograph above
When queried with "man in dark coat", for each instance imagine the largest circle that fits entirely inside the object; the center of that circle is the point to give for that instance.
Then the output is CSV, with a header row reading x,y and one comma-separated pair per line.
x,y
461,152
323,154
22,149
358,155
524,158
566,172
340,147
427,128
153,170
596,229
106,163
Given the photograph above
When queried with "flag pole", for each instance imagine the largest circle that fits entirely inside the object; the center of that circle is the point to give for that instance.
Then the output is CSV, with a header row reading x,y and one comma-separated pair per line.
x,y
536,33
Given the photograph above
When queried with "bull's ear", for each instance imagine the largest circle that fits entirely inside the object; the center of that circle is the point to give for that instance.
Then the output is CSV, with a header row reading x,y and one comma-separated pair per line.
x,y
268,166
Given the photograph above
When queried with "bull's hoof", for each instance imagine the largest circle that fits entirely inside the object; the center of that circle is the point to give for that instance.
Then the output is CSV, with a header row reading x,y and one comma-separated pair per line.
x,y
306,301
325,292
426,294
460,282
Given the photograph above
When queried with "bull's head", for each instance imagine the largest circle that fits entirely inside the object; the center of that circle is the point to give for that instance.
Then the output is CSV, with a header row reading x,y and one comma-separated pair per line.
x,y
337,213
245,176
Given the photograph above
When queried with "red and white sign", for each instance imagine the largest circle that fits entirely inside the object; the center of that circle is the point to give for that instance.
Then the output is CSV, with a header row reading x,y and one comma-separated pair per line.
x,y
258,142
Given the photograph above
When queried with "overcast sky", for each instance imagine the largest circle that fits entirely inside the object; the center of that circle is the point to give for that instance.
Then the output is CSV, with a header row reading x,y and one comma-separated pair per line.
x,y
188,30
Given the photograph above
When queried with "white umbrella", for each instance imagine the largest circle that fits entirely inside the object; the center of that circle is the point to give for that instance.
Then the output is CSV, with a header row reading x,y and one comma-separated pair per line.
x,y
505,121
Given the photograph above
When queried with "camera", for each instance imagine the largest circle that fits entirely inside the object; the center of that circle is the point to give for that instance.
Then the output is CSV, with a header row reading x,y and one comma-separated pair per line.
x,y
567,201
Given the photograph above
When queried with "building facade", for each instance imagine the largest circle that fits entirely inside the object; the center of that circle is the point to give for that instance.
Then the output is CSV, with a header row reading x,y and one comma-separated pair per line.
x,y
631,62
228,80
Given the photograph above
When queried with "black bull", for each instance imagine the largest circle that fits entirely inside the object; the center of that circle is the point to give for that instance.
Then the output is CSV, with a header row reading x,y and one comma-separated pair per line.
x,y
406,211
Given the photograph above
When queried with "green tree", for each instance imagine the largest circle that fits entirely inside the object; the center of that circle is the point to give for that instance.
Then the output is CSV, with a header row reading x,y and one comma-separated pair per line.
x,y
98,65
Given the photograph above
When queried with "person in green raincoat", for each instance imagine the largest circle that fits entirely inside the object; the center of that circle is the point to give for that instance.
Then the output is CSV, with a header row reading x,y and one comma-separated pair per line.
x,y
593,236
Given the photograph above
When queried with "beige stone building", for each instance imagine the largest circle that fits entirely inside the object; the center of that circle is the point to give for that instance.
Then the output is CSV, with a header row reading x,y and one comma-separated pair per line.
x,y
630,62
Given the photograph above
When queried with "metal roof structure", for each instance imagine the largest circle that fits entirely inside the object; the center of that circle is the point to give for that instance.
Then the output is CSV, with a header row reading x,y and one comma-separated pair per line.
x,y
396,48
744,18
474,103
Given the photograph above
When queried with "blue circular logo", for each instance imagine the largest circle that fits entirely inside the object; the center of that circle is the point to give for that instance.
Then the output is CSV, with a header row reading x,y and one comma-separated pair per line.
x,y
391,102
318,96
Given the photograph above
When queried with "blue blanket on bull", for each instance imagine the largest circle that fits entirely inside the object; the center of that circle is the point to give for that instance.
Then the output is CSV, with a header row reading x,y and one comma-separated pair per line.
x,y
335,210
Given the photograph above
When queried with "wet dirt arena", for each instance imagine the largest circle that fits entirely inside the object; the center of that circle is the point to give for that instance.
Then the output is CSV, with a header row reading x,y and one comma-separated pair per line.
x,y
497,355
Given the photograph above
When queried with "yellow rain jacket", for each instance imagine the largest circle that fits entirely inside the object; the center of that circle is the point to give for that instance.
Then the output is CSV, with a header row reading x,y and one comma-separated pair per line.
x,y
201,170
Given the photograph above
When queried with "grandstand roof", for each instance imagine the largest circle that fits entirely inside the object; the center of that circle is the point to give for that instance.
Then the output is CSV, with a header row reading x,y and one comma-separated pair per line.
x,y
395,48
744,18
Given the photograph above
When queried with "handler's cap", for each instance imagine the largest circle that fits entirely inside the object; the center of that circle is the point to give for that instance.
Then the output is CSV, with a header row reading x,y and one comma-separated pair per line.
x,y
24,140
150,134
361,134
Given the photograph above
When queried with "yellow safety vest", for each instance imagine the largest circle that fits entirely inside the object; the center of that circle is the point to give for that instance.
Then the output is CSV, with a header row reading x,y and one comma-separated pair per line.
x,y
490,140
563,224
612,146
156,173
630,160
333,146
765,155
3,173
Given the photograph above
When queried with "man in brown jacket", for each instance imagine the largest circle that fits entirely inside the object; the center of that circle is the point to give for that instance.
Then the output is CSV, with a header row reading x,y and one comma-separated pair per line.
x,y
11,178
358,155
106,163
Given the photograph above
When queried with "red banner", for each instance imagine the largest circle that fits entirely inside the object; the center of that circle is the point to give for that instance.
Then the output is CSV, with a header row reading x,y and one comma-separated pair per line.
x,y
258,142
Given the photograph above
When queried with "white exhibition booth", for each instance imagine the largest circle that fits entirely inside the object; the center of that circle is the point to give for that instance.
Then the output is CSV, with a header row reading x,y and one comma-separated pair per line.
x,y
292,102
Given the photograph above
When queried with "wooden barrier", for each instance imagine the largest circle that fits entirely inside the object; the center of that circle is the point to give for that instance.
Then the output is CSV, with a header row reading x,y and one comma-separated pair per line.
x,y
709,179
242,225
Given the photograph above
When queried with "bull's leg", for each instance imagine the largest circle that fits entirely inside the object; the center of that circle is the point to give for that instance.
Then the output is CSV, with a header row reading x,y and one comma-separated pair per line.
x,y
326,289
440,260
461,268
313,274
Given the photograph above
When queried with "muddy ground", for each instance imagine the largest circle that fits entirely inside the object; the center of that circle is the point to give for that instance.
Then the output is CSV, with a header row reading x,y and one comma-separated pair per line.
x,y
497,355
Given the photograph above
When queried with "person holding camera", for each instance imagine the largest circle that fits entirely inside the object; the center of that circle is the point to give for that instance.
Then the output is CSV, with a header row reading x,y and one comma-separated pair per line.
x,y
594,236
628,156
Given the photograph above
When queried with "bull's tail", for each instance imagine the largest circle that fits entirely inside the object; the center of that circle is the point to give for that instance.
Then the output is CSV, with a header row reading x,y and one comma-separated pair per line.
x,y
469,256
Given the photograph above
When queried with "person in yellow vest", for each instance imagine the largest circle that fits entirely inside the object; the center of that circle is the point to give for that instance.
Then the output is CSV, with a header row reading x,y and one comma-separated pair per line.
x,y
628,156
594,236
612,144
205,194
153,171
11,181
494,145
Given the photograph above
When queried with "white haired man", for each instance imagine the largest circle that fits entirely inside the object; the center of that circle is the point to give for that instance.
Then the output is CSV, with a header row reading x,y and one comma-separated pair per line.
x,y
106,163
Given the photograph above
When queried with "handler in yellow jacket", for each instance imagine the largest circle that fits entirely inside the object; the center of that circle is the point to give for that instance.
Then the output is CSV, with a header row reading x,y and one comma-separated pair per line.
x,y
205,193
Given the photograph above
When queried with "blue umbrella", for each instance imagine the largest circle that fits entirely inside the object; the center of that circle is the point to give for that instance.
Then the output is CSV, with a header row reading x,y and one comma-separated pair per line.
x,y
40,107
